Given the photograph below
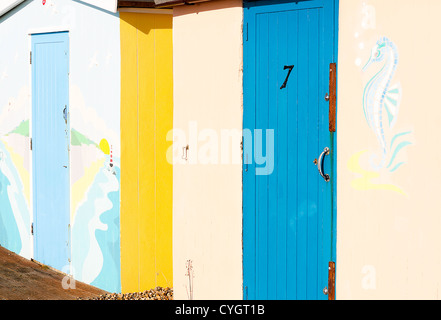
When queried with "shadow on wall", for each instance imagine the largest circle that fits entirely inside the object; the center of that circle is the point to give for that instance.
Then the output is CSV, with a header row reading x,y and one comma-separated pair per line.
x,y
146,24
206,6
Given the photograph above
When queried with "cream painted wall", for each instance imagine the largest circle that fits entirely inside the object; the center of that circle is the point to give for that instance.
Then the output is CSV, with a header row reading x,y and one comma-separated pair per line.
x,y
388,223
207,201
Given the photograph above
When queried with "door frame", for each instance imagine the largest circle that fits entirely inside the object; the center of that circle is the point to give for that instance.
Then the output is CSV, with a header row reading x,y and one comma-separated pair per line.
x,y
246,71
31,32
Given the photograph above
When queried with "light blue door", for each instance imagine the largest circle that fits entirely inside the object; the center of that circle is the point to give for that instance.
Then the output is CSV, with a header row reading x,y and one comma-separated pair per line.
x,y
288,209
50,148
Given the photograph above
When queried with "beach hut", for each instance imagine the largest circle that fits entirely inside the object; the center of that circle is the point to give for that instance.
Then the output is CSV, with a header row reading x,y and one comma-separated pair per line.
x,y
336,193
85,98
231,149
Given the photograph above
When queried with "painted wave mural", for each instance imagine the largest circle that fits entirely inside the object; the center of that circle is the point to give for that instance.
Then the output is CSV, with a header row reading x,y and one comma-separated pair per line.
x,y
95,190
14,209
95,232
15,221
95,219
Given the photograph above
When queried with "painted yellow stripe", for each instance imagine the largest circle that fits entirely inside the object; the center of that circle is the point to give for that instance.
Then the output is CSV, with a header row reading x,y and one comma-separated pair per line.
x,y
146,177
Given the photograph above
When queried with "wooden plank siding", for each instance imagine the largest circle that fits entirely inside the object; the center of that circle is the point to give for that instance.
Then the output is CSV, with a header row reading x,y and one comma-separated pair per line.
x,y
146,176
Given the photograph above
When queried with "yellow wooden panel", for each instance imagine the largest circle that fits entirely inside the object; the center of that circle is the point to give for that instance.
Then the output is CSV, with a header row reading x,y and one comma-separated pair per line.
x,y
164,170
152,84
129,146
147,108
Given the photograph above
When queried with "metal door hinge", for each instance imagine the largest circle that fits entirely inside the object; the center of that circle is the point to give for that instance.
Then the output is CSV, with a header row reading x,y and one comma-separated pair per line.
x,y
330,290
246,30
332,96
32,229
30,143
30,57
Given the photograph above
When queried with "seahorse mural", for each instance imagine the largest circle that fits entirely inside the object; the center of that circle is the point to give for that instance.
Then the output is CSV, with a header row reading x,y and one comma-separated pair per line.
x,y
381,106
379,95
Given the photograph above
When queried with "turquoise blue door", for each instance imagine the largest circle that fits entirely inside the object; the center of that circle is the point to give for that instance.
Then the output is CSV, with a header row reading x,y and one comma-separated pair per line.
x,y
50,148
288,206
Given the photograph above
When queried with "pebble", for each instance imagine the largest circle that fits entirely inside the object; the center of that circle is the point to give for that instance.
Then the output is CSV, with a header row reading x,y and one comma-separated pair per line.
x,y
158,293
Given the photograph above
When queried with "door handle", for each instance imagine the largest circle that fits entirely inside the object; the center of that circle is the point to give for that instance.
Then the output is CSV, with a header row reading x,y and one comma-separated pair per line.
x,y
65,114
320,164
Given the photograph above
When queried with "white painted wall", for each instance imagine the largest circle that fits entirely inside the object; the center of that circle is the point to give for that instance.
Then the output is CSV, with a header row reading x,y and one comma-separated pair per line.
x,y
94,95
110,5
6,5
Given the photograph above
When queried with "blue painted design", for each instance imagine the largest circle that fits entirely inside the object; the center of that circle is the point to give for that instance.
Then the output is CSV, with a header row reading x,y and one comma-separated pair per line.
x,y
398,136
397,150
95,233
14,211
287,238
396,167
9,234
51,138
379,95
108,240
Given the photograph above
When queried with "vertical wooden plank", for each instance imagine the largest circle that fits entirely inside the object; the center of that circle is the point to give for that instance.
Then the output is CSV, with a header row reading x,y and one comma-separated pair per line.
x,y
281,154
249,177
262,181
147,149
302,154
164,170
327,47
272,109
129,210
312,152
292,158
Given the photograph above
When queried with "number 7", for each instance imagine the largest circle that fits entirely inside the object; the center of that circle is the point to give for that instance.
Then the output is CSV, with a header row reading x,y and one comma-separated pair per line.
x,y
287,76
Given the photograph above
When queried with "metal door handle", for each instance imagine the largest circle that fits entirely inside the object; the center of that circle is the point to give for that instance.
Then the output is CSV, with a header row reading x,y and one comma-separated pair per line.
x,y
320,164
65,114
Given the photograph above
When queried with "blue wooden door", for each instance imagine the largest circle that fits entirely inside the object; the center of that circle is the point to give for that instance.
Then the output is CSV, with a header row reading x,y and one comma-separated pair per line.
x,y
50,148
288,221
